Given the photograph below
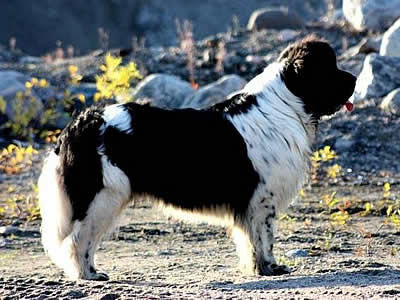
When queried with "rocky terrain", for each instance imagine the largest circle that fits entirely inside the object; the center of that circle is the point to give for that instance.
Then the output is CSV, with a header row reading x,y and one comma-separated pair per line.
x,y
340,237
123,20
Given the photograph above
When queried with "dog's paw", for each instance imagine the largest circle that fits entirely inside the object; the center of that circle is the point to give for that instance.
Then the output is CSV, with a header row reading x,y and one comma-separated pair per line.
x,y
272,269
98,276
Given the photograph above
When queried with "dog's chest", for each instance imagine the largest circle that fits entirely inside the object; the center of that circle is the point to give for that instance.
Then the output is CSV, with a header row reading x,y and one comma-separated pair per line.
x,y
279,150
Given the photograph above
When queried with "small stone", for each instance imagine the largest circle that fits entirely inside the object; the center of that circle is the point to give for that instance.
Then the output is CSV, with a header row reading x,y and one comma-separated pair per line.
x,y
296,253
9,230
30,60
109,297
74,294
391,103
3,242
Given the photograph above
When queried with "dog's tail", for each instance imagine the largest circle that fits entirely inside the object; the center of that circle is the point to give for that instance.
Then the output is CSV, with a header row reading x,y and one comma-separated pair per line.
x,y
70,179
55,208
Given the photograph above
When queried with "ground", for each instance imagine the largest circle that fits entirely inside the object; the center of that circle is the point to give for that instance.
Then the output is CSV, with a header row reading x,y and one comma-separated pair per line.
x,y
153,257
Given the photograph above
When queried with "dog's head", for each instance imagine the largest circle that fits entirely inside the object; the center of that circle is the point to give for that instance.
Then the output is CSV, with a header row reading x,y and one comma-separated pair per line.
x,y
310,72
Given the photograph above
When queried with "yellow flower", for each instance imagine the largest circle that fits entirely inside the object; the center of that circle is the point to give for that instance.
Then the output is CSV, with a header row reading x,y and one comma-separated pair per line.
x,y
28,85
34,81
386,190
334,171
72,69
116,79
96,97
81,97
43,83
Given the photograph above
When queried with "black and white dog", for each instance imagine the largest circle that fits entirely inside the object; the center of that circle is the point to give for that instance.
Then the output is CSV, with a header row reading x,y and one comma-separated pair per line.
x,y
237,163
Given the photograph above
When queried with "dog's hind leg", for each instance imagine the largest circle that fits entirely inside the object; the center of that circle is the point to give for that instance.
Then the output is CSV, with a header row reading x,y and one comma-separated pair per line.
x,y
254,238
102,214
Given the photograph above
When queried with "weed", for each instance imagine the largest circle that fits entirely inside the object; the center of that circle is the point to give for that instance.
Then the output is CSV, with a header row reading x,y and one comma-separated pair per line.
x,y
393,208
188,46
283,260
104,38
14,159
220,56
27,110
328,241
50,136
116,79
22,207
321,161
75,77
12,44
138,45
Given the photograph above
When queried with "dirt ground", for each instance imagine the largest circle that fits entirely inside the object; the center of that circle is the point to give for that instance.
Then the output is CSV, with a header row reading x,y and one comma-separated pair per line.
x,y
153,257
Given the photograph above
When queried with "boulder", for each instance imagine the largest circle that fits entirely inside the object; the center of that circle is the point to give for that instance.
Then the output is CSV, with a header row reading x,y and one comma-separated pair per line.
x,y
371,14
12,82
379,76
215,92
391,103
391,41
165,91
365,46
274,18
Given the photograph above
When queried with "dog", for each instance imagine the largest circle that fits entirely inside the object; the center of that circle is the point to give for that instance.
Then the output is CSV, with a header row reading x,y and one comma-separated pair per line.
x,y
237,163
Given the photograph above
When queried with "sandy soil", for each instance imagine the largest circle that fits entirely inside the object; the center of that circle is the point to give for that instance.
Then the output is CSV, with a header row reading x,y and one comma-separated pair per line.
x,y
153,257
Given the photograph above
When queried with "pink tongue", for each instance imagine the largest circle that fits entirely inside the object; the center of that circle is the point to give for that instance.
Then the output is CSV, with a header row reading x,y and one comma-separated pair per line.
x,y
349,106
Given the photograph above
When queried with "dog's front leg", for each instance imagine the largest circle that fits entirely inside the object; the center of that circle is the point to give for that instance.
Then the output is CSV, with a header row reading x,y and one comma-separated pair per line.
x,y
255,238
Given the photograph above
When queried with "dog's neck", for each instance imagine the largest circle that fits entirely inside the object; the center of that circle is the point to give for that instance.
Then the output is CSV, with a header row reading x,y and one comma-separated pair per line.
x,y
277,132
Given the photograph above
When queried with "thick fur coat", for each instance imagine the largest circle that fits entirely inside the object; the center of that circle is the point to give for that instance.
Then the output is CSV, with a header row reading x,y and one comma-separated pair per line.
x,y
237,163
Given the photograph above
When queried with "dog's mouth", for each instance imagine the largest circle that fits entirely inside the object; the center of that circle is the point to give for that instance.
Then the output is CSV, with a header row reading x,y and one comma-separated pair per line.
x,y
349,106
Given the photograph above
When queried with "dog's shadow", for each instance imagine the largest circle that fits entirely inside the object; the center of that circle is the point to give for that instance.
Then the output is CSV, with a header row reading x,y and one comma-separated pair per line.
x,y
380,277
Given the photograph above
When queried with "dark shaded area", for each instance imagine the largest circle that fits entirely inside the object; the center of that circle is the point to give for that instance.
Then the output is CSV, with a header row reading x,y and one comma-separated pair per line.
x,y
38,25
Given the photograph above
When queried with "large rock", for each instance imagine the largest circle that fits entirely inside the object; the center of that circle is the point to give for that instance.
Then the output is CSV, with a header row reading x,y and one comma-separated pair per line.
x,y
268,18
215,92
371,14
165,91
391,103
379,76
365,46
391,41
12,82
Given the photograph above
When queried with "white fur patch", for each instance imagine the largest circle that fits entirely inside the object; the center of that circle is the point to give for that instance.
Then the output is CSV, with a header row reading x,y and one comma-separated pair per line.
x,y
118,117
114,178
278,136
221,216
